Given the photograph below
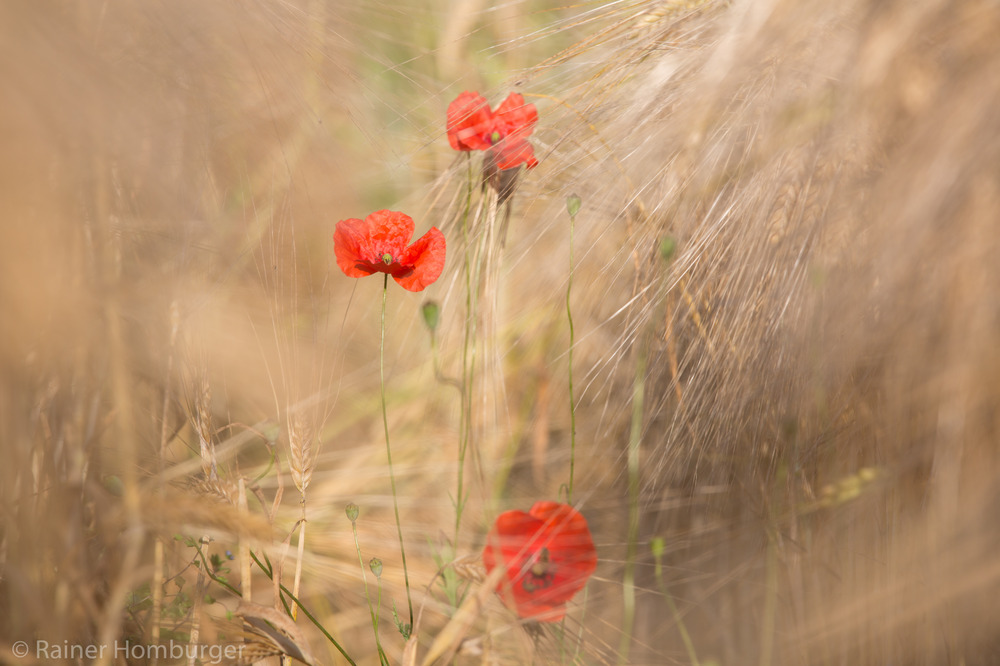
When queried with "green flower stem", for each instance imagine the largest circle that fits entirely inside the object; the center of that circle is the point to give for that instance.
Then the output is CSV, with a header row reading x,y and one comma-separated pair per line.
x,y
382,656
268,570
465,417
572,401
770,603
388,449
635,439
678,618
364,578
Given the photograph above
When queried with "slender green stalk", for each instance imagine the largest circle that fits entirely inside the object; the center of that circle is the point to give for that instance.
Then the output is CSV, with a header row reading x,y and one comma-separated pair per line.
x,y
657,548
268,571
388,449
770,603
579,633
573,205
449,579
465,417
635,438
364,579
382,656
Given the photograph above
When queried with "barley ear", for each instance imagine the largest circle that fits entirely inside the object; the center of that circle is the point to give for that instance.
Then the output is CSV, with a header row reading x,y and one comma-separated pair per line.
x,y
303,453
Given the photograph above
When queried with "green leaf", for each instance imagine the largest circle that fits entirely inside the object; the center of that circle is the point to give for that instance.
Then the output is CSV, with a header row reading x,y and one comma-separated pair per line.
x,y
404,629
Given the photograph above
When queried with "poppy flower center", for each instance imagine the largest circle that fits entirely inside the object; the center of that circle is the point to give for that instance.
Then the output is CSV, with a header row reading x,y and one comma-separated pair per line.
x,y
494,137
387,258
541,574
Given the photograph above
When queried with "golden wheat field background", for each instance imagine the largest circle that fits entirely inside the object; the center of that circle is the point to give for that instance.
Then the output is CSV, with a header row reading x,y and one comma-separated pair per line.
x,y
785,361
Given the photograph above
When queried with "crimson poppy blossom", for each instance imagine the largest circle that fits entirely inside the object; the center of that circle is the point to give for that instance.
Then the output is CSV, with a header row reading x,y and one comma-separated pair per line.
x,y
378,244
502,133
470,122
547,554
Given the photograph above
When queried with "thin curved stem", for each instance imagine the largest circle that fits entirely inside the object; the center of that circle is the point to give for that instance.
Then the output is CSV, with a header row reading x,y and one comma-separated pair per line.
x,y
635,441
466,401
388,449
364,578
572,401
382,657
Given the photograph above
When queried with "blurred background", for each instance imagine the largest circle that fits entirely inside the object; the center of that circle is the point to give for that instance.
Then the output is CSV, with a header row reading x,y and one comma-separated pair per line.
x,y
785,362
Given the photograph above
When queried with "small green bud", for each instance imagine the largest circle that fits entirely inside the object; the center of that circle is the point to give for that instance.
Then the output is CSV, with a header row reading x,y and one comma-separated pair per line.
x,y
352,510
375,565
114,485
667,247
387,258
573,203
658,546
432,314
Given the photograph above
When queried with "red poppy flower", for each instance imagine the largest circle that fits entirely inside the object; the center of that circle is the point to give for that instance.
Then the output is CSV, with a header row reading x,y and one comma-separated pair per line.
x,y
470,122
548,555
472,125
378,244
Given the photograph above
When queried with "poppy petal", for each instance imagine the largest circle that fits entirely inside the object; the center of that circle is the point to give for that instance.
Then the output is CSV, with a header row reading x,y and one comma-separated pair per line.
x,y
361,245
547,554
426,259
515,118
347,238
470,122
388,233
511,153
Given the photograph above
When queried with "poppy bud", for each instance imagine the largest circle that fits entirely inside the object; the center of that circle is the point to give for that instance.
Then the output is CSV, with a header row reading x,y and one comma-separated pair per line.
x,y
573,204
667,247
352,510
658,546
503,181
432,313
375,565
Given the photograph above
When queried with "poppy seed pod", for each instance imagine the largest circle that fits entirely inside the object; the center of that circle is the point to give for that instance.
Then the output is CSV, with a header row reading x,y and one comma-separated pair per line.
x,y
431,312
573,203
